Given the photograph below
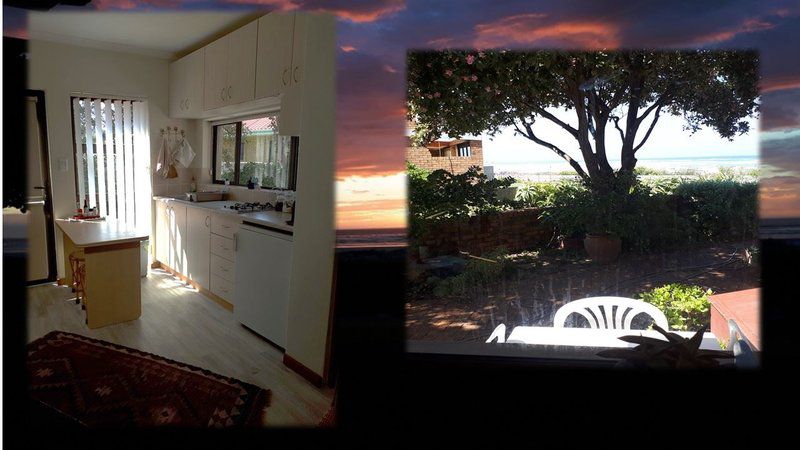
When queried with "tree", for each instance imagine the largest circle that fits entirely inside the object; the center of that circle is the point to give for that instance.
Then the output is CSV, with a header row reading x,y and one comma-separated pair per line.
x,y
474,92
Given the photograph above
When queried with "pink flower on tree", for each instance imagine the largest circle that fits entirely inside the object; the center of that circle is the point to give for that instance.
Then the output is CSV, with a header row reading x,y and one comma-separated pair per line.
x,y
437,95
488,89
474,78
448,72
481,54
470,59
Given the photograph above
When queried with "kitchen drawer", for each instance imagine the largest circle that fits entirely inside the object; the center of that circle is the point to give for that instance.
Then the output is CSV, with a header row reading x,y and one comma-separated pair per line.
x,y
222,246
222,287
224,226
223,268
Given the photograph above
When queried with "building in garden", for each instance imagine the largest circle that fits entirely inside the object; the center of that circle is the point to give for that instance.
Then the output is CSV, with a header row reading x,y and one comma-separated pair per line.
x,y
454,155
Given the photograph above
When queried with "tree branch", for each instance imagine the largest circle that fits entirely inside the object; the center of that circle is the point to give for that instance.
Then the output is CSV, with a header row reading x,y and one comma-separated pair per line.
x,y
549,116
649,130
529,134
616,124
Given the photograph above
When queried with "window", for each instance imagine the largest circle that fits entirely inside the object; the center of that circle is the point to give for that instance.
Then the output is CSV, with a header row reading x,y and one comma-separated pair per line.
x,y
464,150
253,150
112,155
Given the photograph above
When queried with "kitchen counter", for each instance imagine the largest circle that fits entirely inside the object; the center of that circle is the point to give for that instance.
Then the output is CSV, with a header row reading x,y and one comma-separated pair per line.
x,y
112,256
271,219
95,233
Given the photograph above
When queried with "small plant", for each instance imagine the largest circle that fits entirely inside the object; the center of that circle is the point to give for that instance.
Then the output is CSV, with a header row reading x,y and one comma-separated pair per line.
x,y
676,352
686,307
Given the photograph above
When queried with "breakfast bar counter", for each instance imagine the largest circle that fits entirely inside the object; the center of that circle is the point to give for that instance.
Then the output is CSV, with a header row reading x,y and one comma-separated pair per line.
x,y
112,265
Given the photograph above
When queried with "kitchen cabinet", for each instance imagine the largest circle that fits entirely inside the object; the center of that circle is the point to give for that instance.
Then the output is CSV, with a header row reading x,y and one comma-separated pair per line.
x,y
178,236
274,57
162,232
224,229
230,68
186,85
198,226
289,120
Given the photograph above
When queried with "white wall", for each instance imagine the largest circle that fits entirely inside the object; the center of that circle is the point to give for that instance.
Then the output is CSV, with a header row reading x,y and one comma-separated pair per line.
x,y
62,70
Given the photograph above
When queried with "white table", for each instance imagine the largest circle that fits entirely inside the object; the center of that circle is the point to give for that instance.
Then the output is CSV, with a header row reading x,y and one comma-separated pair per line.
x,y
588,337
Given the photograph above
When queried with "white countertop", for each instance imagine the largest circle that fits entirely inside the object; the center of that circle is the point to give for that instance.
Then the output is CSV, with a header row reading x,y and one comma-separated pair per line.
x,y
272,219
94,233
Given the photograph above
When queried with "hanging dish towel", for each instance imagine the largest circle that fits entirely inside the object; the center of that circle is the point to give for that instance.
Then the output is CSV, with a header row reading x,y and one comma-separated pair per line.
x,y
163,161
185,154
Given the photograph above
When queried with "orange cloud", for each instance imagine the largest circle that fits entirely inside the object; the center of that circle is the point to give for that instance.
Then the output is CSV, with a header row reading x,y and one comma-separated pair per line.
x,y
388,213
779,197
770,84
529,29
348,48
359,12
748,26
20,32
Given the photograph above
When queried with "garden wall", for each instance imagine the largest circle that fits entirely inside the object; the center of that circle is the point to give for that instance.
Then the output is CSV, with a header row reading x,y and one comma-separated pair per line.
x,y
515,230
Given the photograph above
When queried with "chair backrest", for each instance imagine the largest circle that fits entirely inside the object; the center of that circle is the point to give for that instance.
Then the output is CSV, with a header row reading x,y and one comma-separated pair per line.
x,y
600,312
499,333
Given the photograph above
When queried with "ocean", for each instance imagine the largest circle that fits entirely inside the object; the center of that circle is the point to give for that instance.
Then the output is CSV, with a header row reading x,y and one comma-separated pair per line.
x,y
703,164
377,238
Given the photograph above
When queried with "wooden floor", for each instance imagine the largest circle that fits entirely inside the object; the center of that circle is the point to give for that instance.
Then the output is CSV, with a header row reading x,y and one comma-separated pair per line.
x,y
179,323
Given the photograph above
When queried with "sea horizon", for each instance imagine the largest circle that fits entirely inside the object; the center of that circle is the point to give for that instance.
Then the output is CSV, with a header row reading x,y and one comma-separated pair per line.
x,y
701,164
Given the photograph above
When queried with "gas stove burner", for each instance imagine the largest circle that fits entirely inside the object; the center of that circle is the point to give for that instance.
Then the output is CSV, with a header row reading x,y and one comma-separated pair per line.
x,y
243,207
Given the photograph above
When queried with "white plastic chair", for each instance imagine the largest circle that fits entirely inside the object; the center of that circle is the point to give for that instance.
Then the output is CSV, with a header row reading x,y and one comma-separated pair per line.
x,y
499,333
627,309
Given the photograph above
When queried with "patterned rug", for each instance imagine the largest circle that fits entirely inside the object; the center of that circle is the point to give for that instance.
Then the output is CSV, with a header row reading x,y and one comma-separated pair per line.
x,y
100,384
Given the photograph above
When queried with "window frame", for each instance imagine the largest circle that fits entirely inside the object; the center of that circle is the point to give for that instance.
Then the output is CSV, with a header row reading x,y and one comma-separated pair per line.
x,y
292,181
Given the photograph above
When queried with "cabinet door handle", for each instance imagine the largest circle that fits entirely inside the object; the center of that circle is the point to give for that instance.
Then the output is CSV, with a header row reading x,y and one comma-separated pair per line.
x,y
222,94
294,74
181,107
283,77
207,217
188,102
229,92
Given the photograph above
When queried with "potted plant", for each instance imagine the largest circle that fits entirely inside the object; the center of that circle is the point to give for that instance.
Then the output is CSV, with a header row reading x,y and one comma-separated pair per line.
x,y
601,243
677,352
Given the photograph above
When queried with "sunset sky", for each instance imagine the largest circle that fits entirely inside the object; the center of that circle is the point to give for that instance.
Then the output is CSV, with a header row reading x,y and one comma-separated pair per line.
x,y
374,36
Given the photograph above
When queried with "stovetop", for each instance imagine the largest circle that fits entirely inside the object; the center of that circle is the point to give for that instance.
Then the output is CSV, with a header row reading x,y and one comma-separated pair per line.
x,y
242,207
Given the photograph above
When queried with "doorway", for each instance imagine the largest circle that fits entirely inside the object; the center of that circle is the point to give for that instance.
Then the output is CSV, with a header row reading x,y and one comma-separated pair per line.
x,y
38,205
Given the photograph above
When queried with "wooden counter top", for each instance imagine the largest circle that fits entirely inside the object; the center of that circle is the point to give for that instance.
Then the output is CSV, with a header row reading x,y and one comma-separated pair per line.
x,y
91,234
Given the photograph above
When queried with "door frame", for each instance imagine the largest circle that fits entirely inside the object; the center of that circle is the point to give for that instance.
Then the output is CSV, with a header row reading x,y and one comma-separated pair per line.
x,y
41,117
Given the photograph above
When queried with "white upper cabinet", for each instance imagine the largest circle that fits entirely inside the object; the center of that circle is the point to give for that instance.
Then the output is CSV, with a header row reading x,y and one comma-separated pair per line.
x,y
274,59
242,64
299,48
216,73
230,68
186,85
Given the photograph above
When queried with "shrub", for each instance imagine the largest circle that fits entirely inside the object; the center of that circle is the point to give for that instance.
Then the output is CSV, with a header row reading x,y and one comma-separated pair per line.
x,y
719,208
686,307
440,195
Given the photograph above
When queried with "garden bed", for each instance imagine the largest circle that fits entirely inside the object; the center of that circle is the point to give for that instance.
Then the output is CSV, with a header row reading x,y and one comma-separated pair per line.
x,y
539,284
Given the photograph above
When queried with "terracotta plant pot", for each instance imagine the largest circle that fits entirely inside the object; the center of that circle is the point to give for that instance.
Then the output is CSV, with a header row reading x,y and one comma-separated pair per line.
x,y
603,248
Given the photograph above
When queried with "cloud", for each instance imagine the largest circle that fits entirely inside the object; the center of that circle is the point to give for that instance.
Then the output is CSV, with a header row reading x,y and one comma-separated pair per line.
x,y
370,116
534,30
358,11
780,109
104,5
347,48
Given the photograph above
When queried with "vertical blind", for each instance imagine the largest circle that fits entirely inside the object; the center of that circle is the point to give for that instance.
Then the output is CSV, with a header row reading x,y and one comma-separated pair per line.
x,y
112,157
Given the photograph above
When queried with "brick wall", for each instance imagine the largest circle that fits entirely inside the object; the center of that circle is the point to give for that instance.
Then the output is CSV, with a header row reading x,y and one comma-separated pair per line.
x,y
516,230
421,157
